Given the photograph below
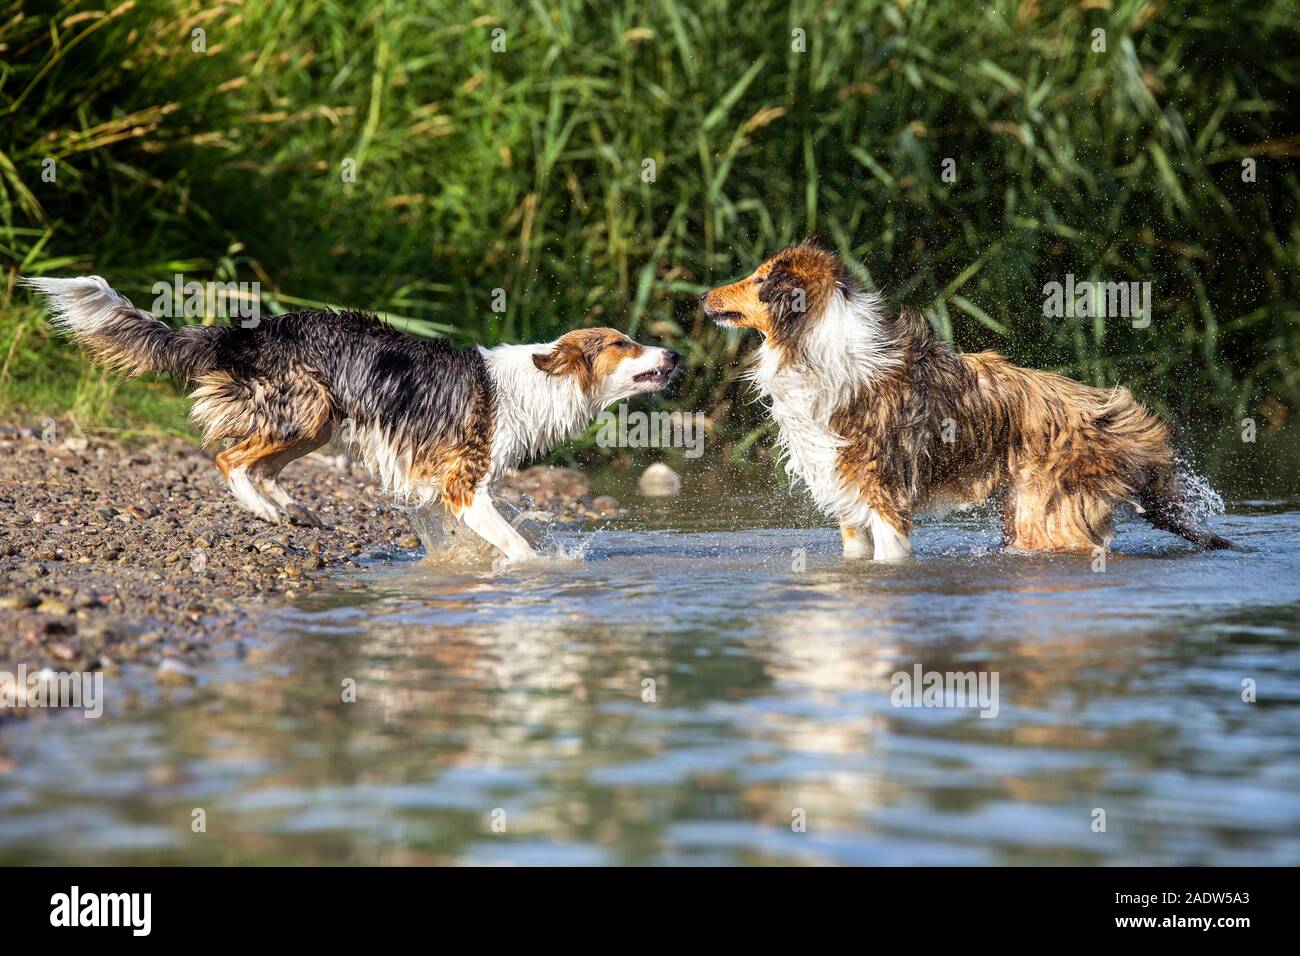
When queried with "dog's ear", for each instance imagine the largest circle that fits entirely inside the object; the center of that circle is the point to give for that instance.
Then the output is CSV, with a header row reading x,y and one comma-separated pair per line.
x,y
785,295
560,360
566,358
798,286
781,281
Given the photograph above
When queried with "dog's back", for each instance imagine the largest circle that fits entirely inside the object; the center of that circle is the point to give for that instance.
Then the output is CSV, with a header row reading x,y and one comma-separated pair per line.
x,y
280,387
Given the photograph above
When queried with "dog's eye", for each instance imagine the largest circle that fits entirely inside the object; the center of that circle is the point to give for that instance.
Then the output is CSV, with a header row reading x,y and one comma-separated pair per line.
x,y
758,280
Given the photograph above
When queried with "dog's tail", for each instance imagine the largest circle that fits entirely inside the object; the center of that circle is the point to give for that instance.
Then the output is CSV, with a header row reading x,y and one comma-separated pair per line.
x,y
122,337
1165,504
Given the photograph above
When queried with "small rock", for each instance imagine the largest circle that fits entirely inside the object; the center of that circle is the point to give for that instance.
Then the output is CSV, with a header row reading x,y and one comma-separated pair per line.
x,y
659,481
19,601
103,630
545,483
172,671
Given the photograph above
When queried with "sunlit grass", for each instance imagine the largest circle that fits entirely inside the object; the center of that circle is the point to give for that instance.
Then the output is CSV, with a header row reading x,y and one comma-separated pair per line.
x,y
526,170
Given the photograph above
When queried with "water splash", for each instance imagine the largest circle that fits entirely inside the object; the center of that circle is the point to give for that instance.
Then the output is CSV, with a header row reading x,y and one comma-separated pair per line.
x,y
447,540
1198,498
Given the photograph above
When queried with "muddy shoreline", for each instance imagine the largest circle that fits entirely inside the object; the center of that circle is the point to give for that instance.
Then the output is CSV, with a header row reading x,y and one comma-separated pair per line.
x,y
111,554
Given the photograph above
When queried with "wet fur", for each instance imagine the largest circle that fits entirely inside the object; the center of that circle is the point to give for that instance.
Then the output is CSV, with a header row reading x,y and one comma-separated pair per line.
x,y
434,423
882,422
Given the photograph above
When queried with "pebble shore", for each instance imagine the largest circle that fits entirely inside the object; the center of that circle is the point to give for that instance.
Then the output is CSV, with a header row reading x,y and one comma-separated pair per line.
x,y
111,554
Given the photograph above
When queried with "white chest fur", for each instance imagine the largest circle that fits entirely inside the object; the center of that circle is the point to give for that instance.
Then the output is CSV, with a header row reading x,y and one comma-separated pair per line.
x,y
845,352
802,409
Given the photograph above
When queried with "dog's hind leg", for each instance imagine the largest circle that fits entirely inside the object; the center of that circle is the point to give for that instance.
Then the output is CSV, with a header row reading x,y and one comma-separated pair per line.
x,y
235,463
1039,516
265,473
278,421
1007,516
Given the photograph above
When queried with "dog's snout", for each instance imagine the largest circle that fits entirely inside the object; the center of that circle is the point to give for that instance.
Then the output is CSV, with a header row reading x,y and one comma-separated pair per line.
x,y
673,358
704,296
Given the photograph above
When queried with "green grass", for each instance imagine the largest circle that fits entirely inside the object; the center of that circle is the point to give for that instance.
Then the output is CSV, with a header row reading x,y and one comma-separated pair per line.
x,y
43,378
522,170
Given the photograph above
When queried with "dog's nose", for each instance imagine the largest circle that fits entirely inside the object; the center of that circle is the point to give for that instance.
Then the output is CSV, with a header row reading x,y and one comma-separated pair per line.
x,y
673,358
704,296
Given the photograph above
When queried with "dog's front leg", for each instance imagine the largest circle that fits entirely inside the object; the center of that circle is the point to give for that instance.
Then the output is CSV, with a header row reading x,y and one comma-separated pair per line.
x,y
891,543
483,519
856,541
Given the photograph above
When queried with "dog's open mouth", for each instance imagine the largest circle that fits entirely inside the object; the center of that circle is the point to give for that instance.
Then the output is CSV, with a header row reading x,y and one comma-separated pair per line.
x,y
654,375
725,319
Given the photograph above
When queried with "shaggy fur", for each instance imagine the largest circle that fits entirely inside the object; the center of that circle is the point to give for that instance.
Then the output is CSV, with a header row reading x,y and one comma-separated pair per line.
x,y
880,421
434,423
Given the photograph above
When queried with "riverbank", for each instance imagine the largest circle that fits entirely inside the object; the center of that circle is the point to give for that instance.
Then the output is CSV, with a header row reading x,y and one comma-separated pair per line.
x,y
111,554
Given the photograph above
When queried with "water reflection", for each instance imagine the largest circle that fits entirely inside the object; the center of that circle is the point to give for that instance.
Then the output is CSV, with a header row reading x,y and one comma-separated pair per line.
x,y
519,698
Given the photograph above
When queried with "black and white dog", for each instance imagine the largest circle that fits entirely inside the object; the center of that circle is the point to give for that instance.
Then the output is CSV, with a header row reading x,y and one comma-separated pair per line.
x,y
435,424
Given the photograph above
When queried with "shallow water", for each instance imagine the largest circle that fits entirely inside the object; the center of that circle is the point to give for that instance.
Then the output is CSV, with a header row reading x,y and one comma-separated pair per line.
x,y
516,699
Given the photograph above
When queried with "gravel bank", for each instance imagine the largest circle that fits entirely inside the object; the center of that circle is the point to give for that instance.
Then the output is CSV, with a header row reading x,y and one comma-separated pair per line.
x,y
110,554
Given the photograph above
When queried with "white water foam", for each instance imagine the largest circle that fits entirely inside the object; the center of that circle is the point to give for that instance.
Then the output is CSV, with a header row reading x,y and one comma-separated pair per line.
x,y
1198,499
447,541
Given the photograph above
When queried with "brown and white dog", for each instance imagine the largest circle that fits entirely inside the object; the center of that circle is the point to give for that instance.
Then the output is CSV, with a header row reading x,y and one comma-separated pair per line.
x,y
881,422
435,424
